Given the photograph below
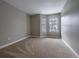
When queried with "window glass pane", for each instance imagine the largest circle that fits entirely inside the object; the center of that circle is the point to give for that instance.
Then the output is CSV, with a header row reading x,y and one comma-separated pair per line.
x,y
43,24
53,24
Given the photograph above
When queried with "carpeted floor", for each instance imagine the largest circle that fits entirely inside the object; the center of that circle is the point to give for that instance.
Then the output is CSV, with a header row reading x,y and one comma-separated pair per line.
x,y
38,48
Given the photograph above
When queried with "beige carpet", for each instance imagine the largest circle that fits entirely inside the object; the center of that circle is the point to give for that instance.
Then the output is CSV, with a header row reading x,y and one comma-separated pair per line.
x,y
38,48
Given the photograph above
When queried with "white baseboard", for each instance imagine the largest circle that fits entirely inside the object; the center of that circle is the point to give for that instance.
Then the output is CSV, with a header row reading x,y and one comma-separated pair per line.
x,y
8,44
70,48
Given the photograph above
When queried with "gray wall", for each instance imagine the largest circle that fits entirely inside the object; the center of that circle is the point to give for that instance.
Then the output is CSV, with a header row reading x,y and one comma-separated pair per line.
x,y
13,23
28,25
70,24
35,25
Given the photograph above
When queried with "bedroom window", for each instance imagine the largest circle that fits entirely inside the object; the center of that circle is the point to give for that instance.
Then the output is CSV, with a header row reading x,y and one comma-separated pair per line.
x,y
53,24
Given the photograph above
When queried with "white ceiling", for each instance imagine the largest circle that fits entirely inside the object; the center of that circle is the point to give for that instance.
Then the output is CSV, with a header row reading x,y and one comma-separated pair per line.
x,y
38,6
